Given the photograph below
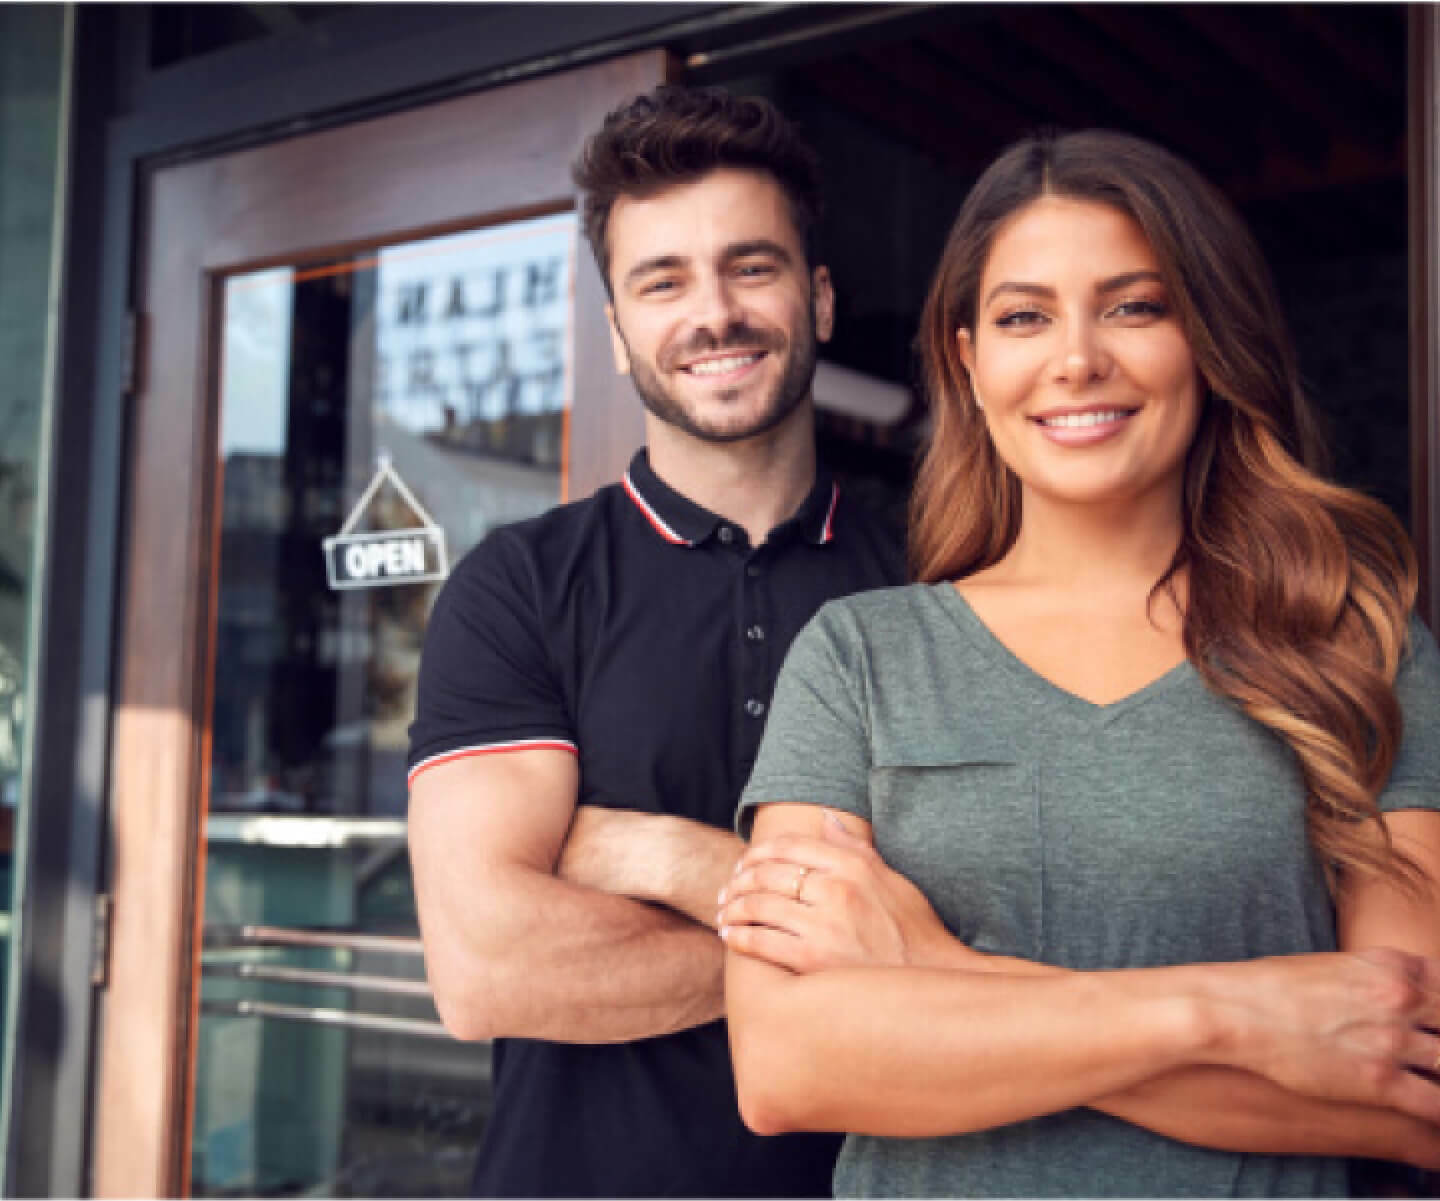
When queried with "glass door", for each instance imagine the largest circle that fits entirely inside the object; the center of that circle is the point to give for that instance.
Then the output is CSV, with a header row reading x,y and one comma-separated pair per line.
x,y
353,356
378,416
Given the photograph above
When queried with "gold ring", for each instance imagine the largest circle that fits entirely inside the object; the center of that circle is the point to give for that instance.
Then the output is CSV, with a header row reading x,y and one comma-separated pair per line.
x,y
800,882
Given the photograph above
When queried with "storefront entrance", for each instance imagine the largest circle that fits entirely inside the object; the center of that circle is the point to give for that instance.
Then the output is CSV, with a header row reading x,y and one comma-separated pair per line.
x,y
358,350
361,351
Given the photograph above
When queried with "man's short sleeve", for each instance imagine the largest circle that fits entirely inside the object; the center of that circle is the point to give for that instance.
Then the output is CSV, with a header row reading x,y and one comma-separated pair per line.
x,y
487,682
1415,777
816,747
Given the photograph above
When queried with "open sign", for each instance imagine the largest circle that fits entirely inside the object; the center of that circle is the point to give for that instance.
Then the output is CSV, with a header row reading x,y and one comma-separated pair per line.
x,y
391,557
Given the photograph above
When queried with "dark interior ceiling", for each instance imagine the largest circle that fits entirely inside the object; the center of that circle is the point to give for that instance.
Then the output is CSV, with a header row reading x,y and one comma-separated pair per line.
x,y
1276,103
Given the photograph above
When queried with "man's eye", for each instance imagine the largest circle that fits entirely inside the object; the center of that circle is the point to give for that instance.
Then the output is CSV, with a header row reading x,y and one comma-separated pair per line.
x,y
658,285
755,270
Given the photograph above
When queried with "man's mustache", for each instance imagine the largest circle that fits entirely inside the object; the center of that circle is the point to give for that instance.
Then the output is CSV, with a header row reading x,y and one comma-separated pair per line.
x,y
739,337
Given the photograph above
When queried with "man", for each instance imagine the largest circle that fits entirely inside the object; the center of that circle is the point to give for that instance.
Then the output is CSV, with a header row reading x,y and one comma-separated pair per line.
x,y
595,681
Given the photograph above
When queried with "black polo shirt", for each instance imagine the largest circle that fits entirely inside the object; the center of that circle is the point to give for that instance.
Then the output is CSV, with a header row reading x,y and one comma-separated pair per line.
x,y
643,633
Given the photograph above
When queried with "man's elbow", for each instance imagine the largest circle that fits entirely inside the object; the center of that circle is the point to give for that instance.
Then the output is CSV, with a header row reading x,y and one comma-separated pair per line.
x,y
475,1004
465,1020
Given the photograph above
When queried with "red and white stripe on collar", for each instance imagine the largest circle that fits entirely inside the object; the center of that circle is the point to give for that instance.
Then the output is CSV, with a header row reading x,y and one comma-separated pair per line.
x,y
828,531
661,526
491,748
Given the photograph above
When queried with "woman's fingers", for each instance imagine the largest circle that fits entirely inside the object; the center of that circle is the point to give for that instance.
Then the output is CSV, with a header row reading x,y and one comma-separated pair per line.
x,y
819,853
797,881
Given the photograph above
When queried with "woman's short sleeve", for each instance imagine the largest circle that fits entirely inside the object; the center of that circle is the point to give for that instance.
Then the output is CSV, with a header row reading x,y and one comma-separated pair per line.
x,y
816,746
1415,778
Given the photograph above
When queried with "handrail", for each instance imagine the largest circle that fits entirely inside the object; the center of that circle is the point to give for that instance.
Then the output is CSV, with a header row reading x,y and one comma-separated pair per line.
x,y
328,1017
292,937
301,975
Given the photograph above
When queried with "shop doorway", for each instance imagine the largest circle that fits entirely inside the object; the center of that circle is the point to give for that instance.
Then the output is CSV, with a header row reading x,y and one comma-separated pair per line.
x,y
358,352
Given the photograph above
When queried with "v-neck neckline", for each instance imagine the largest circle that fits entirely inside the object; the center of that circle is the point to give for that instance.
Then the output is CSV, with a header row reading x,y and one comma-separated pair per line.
x,y
984,637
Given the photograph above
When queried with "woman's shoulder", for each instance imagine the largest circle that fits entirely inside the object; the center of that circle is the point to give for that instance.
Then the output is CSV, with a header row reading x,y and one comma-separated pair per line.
x,y
877,610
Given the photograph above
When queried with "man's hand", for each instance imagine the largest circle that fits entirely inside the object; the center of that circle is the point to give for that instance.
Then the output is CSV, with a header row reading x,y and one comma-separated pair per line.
x,y
809,903
651,857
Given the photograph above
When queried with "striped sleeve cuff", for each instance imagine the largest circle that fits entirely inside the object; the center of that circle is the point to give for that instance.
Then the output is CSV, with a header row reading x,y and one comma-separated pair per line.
x,y
490,748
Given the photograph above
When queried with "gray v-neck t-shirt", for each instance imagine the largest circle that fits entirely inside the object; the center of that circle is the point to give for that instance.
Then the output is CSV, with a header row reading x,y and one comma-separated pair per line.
x,y
1164,828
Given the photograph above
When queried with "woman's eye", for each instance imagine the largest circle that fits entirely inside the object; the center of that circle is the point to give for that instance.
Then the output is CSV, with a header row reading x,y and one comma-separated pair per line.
x,y
1140,308
1020,319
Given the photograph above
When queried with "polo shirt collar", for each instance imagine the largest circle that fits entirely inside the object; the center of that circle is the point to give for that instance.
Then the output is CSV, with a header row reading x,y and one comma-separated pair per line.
x,y
681,521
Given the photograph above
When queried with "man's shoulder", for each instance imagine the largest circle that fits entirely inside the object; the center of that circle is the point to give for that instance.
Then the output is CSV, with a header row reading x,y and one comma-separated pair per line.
x,y
559,531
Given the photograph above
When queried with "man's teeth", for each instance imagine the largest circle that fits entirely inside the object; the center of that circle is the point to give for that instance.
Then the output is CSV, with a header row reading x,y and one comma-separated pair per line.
x,y
721,366
1075,421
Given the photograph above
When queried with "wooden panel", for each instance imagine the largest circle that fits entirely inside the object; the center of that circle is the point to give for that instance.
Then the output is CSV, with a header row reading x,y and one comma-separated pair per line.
x,y
491,156
1424,135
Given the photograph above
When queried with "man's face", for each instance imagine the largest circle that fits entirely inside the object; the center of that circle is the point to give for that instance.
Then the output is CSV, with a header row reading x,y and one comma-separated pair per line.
x,y
716,316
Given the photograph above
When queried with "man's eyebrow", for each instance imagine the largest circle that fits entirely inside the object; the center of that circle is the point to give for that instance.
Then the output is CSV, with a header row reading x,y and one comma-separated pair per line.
x,y
742,250
1113,284
661,262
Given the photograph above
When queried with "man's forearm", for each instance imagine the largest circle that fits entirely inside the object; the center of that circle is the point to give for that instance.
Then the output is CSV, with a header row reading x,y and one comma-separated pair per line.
x,y
670,861
546,959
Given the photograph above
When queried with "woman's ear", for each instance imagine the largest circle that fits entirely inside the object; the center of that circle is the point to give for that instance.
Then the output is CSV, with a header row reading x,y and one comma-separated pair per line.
x,y
965,345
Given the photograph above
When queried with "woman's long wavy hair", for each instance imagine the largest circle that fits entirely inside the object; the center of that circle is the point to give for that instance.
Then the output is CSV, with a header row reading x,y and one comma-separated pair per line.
x,y
1299,591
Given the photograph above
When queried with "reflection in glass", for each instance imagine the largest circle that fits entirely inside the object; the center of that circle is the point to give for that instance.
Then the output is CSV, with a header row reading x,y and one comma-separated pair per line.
x,y
34,71
320,1065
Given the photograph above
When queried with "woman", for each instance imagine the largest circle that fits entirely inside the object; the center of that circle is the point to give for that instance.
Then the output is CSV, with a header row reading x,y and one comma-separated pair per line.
x,y
1156,721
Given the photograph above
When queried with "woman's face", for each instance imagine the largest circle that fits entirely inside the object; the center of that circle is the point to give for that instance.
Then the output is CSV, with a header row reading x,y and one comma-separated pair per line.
x,y
1089,388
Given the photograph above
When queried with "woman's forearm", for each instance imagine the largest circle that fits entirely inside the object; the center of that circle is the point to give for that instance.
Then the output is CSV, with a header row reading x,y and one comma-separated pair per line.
x,y
914,1052
1229,1109
918,1052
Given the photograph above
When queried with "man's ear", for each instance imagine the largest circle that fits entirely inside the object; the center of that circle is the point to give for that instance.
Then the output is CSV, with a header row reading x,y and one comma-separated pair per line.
x,y
822,293
617,343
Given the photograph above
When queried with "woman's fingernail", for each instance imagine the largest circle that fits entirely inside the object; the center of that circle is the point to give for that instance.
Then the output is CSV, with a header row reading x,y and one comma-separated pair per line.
x,y
720,900
723,932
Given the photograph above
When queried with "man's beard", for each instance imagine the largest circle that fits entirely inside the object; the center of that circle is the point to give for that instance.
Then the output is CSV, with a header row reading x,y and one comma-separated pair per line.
x,y
792,388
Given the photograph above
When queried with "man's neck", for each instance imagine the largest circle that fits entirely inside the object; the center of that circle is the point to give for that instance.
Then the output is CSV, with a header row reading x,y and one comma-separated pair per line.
x,y
756,484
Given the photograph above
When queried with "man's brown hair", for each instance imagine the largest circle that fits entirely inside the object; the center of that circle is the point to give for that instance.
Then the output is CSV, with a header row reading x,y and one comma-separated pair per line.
x,y
676,134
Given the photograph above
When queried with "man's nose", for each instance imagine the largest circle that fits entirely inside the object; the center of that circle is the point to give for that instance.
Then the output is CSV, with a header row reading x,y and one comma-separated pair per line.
x,y
717,304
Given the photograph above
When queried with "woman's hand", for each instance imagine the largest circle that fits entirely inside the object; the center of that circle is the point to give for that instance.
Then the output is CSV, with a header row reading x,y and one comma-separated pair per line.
x,y
1354,1026
807,903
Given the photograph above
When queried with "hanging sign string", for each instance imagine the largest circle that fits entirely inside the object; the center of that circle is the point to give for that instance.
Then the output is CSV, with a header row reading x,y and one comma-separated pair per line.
x,y
384,470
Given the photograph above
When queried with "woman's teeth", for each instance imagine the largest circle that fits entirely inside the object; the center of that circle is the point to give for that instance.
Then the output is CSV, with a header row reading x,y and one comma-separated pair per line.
x,y
1071,421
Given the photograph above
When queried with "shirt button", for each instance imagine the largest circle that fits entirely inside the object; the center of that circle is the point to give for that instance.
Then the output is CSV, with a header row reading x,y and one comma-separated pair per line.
x,y
726,535
755,633
752,570
755,708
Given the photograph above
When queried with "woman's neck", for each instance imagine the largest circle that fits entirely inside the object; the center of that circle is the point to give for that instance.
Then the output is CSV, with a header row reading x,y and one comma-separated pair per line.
x,y
1104,552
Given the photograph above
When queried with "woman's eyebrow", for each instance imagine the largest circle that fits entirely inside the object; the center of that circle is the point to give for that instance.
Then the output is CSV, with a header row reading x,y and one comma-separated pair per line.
x,y
1113,284
1116,282
1023,289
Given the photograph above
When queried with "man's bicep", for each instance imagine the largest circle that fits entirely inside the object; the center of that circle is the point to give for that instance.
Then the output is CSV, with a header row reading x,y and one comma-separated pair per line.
x,y
503,808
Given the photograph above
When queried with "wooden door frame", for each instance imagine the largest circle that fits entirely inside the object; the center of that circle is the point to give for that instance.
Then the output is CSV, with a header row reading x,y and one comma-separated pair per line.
x,y
497,155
